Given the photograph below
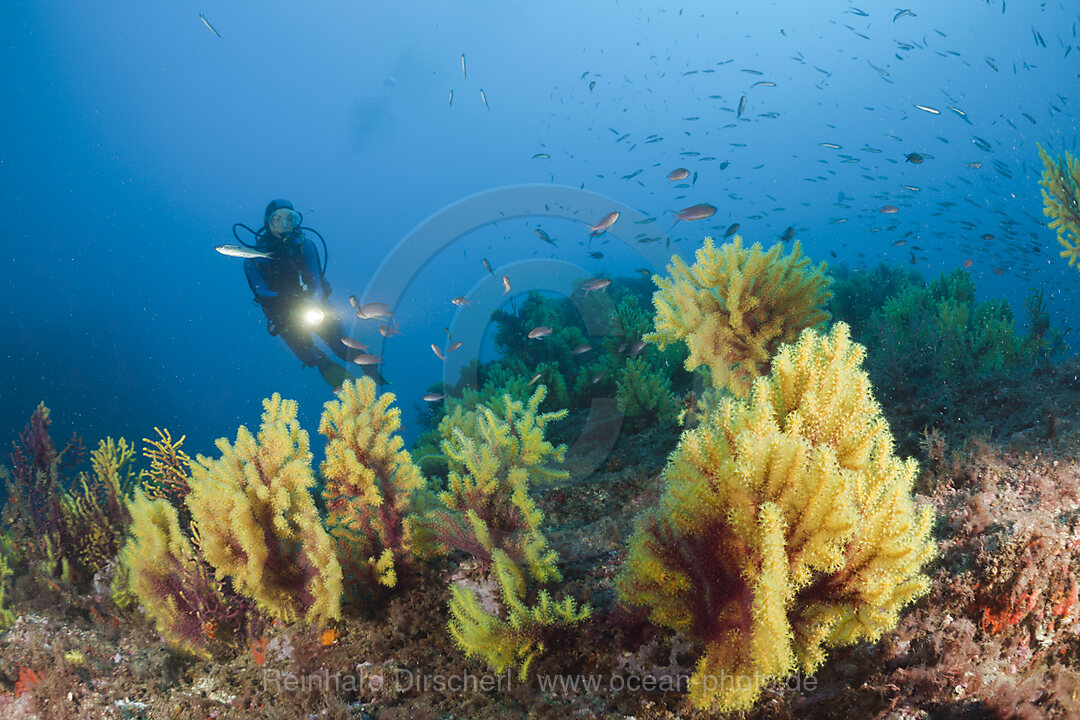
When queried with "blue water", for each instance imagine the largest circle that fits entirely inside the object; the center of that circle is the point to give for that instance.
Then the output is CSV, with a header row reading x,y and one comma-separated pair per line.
x,y
133,138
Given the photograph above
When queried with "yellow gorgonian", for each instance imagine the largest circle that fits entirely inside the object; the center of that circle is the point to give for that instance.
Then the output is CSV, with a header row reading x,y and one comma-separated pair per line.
x,y
1061,202
734,307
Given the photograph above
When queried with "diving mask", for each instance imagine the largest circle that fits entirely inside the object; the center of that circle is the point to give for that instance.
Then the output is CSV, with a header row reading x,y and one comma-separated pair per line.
x,y
283,222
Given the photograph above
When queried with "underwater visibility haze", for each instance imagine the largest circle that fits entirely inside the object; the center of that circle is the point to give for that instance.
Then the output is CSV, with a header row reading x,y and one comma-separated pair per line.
x,y
533,360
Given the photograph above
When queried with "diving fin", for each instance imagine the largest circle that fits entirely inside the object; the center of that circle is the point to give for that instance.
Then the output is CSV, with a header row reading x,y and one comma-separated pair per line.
x,y
334,375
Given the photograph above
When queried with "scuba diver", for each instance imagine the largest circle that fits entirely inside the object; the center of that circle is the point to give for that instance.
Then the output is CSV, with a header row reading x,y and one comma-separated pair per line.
x,y
288,280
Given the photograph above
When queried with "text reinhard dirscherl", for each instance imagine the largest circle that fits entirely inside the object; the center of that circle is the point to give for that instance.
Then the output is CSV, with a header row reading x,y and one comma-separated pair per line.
x,y
403,680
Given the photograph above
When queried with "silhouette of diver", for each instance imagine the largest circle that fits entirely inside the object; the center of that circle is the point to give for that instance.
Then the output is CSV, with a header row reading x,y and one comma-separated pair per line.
x,y
291,287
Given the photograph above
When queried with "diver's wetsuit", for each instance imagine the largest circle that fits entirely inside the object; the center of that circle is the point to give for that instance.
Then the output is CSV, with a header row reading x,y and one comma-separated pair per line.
x,y
279,285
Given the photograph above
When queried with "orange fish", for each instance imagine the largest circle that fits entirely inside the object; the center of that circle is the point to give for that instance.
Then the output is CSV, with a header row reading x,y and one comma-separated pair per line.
x,y
606,222
367,359
329,637
372,310
597,284
387,331
696,212
539,332
968,263
350,343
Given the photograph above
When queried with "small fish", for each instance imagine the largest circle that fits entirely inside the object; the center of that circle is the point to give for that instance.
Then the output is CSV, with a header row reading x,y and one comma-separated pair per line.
x,y
914,158
580,349
367,359
438,351
463,74
645,272
596,254
889,210
974,165
448,335
596,284
696,212
506,284
487,265
678,174
387,331
987,237
788,234
535,378
742,107
541,156
901,14
831,146
483,97
731,230
461,301
598,376
242,252
434,397
350,343
543,236
636,349
928,109
634,174
605,223
968,263
454,346
208,25
899,243
372,310
763,83
539,332
451,103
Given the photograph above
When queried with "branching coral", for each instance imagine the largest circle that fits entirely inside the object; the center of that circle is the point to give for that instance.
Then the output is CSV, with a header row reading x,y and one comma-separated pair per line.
x,y
644,395
488,512
71,529
173,583
167,476
787,526
1061,201
7,551
95,512
734,307
258,523
369,481
939,330
35,486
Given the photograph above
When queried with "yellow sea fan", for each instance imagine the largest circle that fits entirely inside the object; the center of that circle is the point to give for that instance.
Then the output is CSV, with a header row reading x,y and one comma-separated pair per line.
x,y
1061,202
369,482
733,307
787,526
257,521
